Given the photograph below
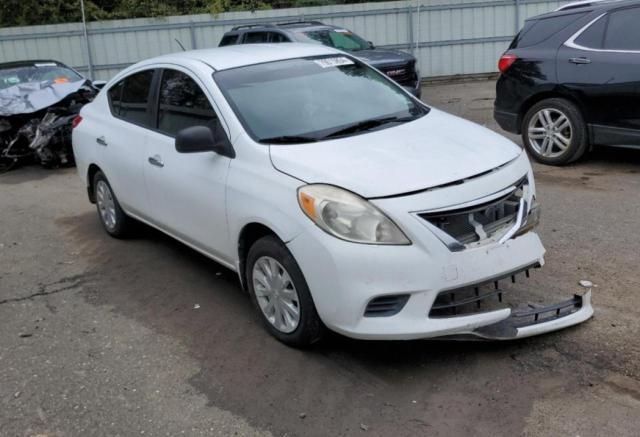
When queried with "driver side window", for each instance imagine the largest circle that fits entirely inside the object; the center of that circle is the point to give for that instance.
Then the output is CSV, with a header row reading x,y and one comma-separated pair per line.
x,y
182,104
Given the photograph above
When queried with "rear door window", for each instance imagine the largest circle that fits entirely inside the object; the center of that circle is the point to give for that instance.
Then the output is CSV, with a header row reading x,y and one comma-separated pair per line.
x,y
182,104
277,37
134,104
623,30
256,37
228,40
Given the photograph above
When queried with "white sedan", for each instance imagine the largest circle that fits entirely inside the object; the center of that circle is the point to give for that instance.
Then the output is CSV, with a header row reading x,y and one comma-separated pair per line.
x,y
341,201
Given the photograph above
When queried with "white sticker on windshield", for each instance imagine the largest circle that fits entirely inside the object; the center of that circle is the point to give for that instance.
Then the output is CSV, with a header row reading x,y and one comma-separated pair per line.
x,y
333,62
46,64
342,31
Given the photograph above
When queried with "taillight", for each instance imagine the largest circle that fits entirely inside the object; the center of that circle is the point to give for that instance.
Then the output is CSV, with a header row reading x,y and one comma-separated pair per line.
x,y
76,121
506,61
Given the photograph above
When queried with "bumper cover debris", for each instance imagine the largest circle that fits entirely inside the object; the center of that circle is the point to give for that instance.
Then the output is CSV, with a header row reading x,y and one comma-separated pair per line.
x,y
519,320
35,122
540,319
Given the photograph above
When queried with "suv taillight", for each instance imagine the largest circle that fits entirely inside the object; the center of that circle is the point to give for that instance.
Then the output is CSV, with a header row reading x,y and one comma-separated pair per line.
x,y
506,61
76,121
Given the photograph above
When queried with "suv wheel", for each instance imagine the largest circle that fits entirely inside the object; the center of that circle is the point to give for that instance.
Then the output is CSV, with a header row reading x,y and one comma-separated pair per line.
x,y
554,132
280,293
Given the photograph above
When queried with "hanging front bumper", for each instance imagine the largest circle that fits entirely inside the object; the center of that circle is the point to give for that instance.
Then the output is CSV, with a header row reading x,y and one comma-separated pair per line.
x,y
539,319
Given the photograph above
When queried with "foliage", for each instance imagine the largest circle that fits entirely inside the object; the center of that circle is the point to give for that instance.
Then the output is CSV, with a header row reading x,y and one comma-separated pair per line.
x,y
30,12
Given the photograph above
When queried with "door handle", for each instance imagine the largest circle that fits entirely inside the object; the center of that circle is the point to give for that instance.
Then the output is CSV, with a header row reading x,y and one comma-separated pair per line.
x,y
156,160
101,141
580,60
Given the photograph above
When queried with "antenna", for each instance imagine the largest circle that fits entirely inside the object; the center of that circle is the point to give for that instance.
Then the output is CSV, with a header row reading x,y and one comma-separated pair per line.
x,y
180,44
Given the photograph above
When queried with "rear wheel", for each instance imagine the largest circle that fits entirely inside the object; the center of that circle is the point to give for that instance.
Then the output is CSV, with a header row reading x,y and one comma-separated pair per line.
x,y
554,132
280,293
113,219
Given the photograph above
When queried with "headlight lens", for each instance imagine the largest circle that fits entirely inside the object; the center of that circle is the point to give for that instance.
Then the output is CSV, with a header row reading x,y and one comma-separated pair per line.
x,y
348,216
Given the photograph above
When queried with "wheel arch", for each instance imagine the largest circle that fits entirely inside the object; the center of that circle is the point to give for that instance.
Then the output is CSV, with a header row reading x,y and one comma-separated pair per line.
x,y
544,95
250,233
91,173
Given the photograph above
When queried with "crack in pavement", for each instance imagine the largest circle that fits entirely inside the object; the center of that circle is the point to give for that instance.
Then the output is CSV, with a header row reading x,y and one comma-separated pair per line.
x,y
73,281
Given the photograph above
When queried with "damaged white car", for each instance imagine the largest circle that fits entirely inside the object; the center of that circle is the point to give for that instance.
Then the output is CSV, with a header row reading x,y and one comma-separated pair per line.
x,y
342,201
38,101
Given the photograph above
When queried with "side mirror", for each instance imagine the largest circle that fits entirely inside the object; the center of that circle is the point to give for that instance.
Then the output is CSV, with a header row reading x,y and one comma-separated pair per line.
x,y
196,139
371,45
99,84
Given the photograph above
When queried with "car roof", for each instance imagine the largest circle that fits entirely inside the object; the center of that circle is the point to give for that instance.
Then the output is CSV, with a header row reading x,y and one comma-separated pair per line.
x,y
224,58
587,6
282,26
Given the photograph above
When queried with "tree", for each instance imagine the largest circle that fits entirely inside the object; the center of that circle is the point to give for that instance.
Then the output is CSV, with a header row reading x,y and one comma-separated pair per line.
x,y
30,12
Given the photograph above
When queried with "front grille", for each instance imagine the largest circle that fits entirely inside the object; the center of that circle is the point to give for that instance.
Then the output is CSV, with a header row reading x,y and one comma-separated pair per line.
x,y
404,74
386,306
476,298
480,222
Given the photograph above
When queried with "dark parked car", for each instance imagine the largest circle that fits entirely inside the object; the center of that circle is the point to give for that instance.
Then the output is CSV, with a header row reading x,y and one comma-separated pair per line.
x,y
571,80
397,65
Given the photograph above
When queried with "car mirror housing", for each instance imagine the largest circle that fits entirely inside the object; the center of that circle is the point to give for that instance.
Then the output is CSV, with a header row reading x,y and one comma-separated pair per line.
x,y
197,139
99,84
371,45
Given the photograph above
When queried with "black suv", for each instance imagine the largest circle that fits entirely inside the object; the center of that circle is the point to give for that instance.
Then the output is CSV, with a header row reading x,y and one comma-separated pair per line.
x,y
397,65
571,80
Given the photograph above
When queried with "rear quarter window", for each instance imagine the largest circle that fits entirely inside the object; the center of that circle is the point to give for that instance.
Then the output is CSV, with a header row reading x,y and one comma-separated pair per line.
x,y
536,31
593,36
228,40
115,97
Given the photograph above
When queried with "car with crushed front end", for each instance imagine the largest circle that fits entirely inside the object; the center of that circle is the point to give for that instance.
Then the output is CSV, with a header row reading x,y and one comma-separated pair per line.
x,y
570,81
341,201
398,65
38,101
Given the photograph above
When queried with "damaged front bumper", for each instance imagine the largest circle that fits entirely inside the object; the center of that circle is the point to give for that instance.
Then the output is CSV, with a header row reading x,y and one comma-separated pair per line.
x,y
394,294
540,319
533,319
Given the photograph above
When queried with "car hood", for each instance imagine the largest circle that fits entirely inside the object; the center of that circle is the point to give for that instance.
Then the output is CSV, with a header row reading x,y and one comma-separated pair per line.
x,y
436,149
31,97
381,57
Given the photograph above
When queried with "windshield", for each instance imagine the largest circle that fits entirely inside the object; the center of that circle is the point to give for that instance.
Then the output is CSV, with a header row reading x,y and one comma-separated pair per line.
x,y
341,39
310,99
44,72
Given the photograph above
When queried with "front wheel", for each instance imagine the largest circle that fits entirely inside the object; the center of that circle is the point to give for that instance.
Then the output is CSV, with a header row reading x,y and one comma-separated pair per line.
x,y
554,132
280,293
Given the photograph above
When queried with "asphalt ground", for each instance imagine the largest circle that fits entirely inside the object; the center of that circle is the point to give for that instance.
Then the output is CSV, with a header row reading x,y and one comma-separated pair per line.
x,y
146,337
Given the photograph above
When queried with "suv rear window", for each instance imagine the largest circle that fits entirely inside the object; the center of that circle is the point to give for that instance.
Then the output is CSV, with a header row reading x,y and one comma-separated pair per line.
x,y
536,31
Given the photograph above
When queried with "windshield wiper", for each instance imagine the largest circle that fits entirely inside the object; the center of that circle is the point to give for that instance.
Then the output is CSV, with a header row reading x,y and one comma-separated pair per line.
x,y
366,125
288,139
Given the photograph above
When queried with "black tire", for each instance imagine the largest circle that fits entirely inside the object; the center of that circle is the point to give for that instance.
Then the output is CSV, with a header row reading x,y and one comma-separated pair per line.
x,y
578,138
310,328
123,223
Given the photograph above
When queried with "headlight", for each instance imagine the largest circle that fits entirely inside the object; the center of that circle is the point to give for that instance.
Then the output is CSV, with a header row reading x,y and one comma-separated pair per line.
x,y
348,216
